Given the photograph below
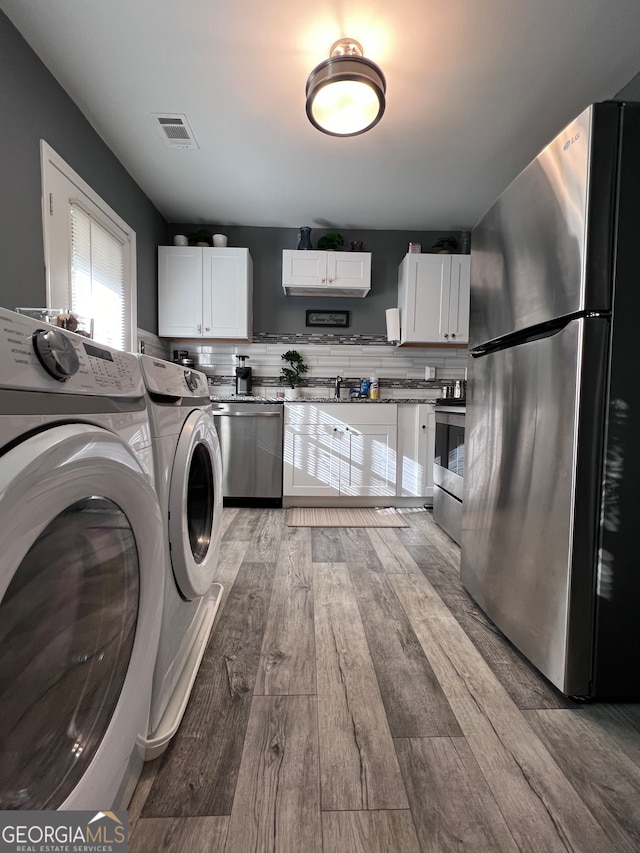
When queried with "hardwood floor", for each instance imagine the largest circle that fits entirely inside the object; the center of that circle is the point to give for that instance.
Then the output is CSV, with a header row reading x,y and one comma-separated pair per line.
x,y
354,699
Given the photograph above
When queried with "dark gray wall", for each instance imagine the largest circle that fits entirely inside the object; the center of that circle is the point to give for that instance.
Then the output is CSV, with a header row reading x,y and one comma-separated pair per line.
x,y
34,106
631,91
275,312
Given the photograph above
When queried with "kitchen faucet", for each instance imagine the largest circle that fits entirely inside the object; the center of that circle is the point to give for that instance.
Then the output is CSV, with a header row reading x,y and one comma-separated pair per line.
x,y
336,385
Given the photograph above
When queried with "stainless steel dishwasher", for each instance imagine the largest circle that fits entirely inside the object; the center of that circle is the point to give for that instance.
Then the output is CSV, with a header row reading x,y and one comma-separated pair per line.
x,y
250,436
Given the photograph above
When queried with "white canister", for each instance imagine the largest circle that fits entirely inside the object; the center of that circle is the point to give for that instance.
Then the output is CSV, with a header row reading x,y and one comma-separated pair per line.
x,y
219,240
180,240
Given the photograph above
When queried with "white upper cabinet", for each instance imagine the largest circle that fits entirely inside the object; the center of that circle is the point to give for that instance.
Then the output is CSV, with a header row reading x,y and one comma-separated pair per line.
x,y
205,293
316,273
433,298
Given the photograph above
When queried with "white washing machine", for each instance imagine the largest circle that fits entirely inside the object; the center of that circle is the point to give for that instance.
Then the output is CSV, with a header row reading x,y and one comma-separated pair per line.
x,y
188,469
81,546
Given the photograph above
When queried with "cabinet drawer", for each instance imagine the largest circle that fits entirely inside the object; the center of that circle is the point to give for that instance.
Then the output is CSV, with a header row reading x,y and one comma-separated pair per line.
x,y
341,413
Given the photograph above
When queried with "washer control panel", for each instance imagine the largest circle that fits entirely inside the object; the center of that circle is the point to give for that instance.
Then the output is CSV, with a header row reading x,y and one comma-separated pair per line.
x,y
36,356
172,380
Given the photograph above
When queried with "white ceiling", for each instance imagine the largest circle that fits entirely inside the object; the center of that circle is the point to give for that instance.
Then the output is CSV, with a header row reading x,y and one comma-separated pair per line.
x,y
474,90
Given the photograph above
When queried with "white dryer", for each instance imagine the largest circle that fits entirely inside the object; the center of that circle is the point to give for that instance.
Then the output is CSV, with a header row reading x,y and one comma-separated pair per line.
x,y
188,470
80,539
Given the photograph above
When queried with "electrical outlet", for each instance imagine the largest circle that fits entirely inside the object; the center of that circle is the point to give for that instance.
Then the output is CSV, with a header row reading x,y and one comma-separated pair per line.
x,y
429,372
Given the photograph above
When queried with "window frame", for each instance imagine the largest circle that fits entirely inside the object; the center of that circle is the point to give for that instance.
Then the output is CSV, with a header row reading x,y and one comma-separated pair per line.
x,y
57,258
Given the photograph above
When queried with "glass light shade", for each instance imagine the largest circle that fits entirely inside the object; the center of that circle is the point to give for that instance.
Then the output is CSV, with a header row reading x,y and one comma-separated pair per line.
x,y
345,107
345,95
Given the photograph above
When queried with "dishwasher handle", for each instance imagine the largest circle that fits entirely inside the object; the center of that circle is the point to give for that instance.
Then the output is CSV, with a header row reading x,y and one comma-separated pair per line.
x,y
246,414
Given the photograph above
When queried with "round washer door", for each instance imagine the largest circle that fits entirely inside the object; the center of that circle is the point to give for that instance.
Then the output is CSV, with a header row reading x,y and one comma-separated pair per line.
x,y
80,614
195,505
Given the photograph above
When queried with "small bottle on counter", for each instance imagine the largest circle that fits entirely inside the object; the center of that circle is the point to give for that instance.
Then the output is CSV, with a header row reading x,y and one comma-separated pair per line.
x,y
374,388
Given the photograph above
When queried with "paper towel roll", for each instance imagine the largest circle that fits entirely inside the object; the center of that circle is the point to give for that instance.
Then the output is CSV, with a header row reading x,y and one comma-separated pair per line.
x,y
393,324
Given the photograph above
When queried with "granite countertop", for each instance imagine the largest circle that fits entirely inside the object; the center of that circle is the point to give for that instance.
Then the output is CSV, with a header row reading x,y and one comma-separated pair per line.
x,y
234,398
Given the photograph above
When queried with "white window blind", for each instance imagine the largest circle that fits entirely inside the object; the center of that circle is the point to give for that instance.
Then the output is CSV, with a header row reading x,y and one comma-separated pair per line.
x,y
97,277
90,254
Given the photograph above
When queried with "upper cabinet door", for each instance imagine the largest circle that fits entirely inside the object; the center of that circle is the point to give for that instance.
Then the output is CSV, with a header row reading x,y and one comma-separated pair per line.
x,y
179,292
226,293
349,269
424,297
305,268
459,294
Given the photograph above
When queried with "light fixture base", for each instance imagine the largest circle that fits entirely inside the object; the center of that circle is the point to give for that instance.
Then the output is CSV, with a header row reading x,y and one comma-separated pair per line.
x,y
346,47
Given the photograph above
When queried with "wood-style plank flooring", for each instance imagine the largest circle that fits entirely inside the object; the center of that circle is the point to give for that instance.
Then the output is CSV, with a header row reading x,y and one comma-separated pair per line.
x,y
354,699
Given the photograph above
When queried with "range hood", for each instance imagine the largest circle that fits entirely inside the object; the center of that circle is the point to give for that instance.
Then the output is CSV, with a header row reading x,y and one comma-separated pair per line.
x,y
331,274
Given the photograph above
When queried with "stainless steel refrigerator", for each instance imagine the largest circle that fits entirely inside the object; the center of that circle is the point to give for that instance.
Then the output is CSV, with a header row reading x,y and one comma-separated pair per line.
x,y
551,511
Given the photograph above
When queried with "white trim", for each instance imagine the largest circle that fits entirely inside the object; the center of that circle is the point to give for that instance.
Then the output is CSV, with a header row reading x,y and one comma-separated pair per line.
x,y
102,211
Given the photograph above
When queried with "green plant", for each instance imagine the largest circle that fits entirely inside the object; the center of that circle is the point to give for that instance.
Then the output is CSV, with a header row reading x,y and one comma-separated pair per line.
x,y
201,236
449,244
331,241
292,375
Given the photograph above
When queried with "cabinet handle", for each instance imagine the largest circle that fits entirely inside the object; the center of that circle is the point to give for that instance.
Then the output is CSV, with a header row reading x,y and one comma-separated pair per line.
x,y
446,335
207,329
335,429
452,335
330,279
424,426
199,329
323,280
347,429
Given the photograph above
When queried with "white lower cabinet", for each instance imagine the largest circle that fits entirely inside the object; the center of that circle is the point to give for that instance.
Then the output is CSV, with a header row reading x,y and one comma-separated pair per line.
x,y
340,450
311,460
416,444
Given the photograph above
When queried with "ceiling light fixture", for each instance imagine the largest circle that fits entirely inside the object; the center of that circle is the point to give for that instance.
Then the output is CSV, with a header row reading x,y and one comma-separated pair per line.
x,y
345,93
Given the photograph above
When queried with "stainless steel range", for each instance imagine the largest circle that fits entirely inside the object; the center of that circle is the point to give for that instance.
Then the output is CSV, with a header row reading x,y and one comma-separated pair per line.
x,y
448,467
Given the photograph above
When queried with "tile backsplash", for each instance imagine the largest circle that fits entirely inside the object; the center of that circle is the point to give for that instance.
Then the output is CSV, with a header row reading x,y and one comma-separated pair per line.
x,y
327,356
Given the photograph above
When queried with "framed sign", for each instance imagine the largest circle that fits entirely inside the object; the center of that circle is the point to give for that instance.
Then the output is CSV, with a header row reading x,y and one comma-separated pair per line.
x,y
328,318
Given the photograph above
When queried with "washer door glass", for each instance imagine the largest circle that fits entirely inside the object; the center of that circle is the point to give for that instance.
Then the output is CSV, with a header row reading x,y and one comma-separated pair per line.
x,y
200,502
67,627
195,506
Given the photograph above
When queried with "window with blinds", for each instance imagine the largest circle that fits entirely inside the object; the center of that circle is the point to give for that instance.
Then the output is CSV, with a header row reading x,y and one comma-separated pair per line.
x,y
90,254
97,277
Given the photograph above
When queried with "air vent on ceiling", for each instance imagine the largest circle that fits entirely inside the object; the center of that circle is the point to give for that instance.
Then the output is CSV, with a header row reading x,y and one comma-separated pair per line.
x,y
175,130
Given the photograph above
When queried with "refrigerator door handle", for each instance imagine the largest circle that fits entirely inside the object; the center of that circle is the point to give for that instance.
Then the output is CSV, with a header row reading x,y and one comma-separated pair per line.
x,y
535,333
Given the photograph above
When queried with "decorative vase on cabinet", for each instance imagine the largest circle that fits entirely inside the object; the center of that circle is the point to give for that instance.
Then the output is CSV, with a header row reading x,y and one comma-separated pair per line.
x,y
304,240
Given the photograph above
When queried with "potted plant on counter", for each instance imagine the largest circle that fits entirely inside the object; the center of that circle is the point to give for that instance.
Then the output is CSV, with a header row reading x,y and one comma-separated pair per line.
x,y
292,375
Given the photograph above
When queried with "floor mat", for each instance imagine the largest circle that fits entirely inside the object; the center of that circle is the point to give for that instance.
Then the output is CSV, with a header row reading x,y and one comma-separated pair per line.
x,y
344,517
